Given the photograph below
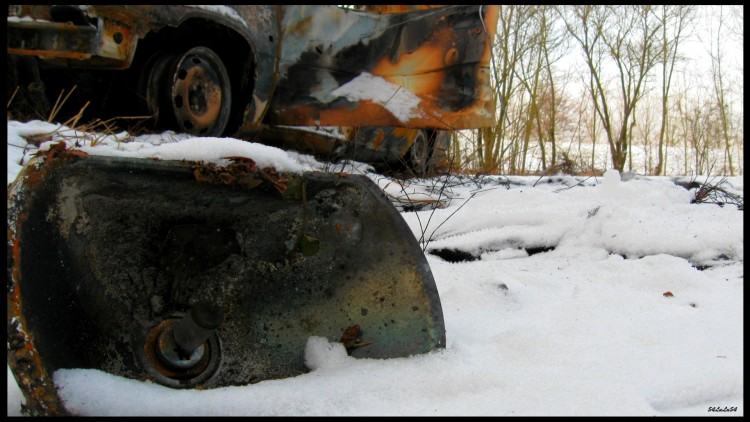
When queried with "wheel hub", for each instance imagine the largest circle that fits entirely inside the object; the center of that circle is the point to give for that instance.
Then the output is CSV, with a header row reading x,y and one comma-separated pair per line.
x,y
196,96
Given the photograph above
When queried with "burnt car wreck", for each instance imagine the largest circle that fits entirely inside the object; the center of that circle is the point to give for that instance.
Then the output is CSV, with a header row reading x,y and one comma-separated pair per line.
x,y
200,275
240,70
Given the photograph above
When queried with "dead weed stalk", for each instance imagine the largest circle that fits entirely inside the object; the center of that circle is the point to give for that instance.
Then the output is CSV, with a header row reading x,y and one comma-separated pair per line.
x,y
94,131
711,192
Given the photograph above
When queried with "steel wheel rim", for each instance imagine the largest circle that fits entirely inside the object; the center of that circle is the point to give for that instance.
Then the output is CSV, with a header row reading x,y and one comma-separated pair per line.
x,y
200,93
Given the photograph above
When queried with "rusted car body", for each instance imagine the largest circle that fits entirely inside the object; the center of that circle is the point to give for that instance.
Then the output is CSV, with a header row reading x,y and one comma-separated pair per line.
x,y
238,70
195,275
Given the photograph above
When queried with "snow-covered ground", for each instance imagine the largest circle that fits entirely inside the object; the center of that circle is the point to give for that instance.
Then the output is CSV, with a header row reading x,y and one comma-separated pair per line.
x,y
568,296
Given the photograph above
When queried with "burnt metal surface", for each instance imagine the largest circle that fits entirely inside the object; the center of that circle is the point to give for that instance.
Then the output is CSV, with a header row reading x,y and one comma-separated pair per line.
x,y
430,67
364,143
388,146
245,37
373,72
105,43
105,253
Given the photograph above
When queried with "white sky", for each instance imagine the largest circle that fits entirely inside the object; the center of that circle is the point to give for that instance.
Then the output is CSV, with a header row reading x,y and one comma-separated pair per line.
x,y
583,329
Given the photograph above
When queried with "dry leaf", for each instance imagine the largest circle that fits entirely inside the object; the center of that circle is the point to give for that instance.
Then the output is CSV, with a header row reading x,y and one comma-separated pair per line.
x,y
350,337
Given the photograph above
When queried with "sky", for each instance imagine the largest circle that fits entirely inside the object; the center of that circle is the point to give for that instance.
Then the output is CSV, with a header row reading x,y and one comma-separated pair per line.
x,y
562,311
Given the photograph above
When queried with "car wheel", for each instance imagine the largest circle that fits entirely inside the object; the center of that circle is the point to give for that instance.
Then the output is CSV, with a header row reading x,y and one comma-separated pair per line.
x,y
189,92
419,155
200,92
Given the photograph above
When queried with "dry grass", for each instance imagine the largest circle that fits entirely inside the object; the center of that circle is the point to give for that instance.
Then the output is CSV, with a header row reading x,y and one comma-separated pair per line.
x,y
93,131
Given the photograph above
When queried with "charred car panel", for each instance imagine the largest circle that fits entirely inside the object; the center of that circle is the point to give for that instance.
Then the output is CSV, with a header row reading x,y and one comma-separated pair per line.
x,y
428,63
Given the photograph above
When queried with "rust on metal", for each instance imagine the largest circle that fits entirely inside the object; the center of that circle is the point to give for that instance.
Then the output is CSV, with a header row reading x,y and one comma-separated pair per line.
x,y
150,347
112,44
47,53
434,68
60,150
288,68
29,370
241,171
37,385
282,267
301,59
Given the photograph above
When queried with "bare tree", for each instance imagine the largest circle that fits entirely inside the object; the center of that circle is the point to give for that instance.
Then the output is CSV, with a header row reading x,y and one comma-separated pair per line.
x,y
736,25
675,20
626,36
717,73
647,130
693,122
628,52
511,45
528,71
553,47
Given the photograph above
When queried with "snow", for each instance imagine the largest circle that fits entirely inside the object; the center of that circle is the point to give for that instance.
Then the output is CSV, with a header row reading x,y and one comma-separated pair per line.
x,y
24,19
562,311
225,11
400,102
168,146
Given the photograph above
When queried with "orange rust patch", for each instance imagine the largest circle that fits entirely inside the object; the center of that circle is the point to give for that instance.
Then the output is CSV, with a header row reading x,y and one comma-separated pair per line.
x,y
423,63
365,112
340,228
150,351
60,150
49,53
490,22
242,171
302,27
378,141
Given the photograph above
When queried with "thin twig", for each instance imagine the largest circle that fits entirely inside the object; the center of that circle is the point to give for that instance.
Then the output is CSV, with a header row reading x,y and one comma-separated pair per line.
x,y
571,187
58,104
12,97
449,217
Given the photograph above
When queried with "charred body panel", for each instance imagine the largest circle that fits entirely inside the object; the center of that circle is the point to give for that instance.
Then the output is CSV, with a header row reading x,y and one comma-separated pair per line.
x,y
322,255
432,66
417,152
383,144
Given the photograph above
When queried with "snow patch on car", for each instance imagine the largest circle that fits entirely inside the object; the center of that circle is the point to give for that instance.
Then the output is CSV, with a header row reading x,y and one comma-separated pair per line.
x,y
402,103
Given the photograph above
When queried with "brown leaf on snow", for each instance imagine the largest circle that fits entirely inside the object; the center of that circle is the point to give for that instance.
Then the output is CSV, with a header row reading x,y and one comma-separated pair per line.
x,y
667,294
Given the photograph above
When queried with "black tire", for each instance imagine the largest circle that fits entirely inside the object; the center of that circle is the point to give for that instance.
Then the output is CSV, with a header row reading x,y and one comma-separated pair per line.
x,y
152,88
